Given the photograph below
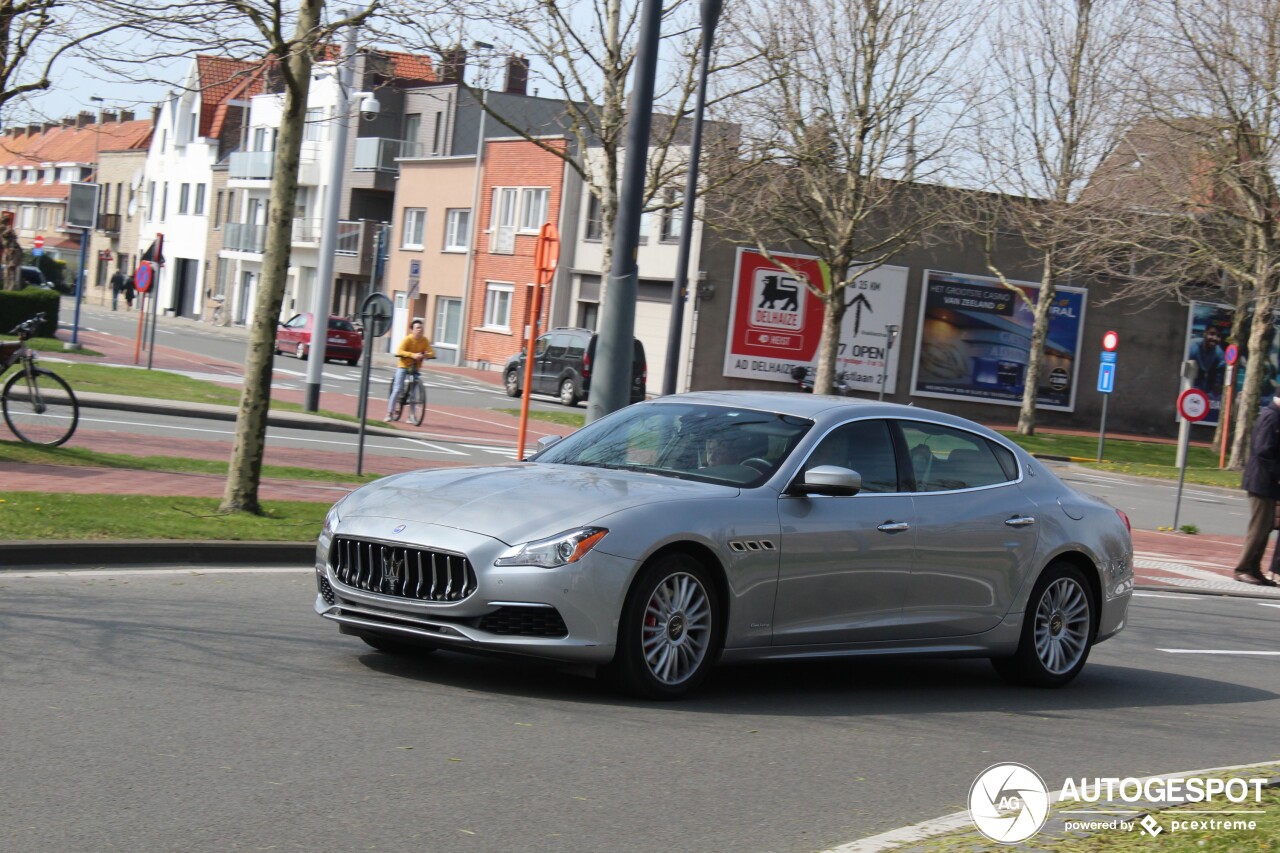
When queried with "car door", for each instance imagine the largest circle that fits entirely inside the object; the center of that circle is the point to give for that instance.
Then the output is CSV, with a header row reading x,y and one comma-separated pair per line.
x,y
550,363
845,562
976,532
290,333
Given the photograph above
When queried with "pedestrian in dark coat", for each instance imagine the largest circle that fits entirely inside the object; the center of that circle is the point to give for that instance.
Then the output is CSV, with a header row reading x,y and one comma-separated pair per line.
x,y
1262,482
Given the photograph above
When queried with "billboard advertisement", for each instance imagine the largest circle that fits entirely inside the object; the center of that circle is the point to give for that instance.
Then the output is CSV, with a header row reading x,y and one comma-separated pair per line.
x,y
974,341
775,322
1208,334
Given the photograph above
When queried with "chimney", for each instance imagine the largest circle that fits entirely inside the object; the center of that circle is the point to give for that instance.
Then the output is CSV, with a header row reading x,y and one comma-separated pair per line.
x,y
126,115
454,61
85,119
50,125
155,114
517,75
108,116
33,129
69,121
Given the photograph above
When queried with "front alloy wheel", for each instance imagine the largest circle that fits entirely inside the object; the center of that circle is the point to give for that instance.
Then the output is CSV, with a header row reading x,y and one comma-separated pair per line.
x,y
669,634
301,352
512,383
568,394
1057,631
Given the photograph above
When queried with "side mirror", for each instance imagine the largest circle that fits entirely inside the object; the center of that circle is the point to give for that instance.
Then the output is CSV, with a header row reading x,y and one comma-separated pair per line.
x,y
828,480
546,441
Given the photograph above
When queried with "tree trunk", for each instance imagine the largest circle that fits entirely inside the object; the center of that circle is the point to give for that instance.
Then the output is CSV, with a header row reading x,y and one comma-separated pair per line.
x,y
1254,375
241,493
1039,333
824,378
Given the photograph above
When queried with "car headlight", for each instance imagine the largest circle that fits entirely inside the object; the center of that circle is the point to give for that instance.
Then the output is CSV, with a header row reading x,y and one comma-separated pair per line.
x,y
554,551
331,520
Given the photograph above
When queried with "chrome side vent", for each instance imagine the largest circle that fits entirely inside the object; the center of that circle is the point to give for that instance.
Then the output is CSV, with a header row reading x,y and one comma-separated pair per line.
x,y
744,545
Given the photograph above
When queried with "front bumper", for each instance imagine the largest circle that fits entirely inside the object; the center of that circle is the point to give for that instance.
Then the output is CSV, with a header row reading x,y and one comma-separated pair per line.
x,y
510,610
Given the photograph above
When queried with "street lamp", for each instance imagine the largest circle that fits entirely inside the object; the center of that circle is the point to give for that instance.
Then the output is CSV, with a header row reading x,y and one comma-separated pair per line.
x,y
890,332
710,17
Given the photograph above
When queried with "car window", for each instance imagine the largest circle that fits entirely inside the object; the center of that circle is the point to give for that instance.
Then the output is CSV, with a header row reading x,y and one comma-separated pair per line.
x,y
341,325
296,322
558,346
714,444
577,346
862,446
945,459
540,347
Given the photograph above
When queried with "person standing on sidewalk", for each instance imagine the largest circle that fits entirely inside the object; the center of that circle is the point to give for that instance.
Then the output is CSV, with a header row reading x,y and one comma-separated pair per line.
x,y
117,287
129,291
413,350
1262,482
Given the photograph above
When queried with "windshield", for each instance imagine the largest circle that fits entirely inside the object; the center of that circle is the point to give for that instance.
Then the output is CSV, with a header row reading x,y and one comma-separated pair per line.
x,y
713,444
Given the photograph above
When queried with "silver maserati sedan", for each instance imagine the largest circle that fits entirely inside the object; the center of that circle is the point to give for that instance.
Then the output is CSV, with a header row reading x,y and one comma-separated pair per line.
x,y
733,526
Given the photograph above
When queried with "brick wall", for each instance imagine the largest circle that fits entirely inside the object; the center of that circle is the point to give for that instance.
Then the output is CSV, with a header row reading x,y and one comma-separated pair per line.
x,y
509,163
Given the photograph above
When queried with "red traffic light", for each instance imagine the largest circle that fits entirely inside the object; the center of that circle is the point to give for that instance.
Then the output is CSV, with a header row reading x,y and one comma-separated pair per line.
x,y
1110,341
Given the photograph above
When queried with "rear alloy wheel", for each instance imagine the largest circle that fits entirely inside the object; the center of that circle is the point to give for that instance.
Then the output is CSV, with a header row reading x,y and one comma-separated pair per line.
x,y
1057,631
568,394
301,352
394,646
669,635
512,383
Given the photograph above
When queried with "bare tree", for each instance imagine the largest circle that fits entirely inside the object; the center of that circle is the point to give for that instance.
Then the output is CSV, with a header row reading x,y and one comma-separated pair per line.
x,y
848,102
1053,113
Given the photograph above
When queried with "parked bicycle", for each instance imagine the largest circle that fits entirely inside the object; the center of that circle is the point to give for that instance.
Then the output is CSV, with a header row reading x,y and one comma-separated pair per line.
x,y
38,404
413,398
804,376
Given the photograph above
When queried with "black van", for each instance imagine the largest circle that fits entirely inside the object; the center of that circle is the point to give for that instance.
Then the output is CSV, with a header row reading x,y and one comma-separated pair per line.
x,y
562,367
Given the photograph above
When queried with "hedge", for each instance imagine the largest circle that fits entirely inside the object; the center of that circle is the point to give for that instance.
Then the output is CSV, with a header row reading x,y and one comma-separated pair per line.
x,y
18,306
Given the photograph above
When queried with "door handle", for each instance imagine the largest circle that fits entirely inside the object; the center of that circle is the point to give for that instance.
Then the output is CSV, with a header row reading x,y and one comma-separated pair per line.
x,y
1020,521
894,526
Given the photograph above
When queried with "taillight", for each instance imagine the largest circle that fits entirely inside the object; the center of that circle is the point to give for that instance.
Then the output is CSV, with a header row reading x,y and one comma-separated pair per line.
x,y
1125,519
586,365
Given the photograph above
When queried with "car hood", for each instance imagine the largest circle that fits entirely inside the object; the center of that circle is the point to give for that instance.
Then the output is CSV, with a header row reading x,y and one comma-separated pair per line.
x,y
519,502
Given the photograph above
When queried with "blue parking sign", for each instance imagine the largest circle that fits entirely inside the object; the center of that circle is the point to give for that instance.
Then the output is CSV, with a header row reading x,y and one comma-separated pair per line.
x,y
1106,377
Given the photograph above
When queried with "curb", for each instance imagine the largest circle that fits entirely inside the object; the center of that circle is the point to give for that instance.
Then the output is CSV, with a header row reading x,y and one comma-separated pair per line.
x,y
25,555
295,420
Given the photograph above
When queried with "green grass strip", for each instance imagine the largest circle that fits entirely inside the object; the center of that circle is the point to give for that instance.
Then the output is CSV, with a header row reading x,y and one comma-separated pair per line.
x,y
45,515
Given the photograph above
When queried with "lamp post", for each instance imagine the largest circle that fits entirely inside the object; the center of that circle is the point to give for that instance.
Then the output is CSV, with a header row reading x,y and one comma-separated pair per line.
x,y
710,17
329,227
890,332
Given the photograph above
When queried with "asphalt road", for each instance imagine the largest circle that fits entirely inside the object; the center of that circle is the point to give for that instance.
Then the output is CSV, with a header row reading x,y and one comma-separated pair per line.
x,y
1150,503
213,711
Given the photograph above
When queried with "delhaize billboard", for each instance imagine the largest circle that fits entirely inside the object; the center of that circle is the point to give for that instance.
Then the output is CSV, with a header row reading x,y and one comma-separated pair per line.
x,y
775,321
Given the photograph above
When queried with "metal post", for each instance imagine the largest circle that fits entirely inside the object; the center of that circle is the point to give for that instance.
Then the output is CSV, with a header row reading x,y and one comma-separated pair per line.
x,y
363,406
1183,436
1225,413
890,333
329,231
1102,429
710,17
611,382
1189,371
84,262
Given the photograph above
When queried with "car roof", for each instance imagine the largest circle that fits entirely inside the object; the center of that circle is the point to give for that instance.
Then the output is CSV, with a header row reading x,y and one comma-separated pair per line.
x,y
822,406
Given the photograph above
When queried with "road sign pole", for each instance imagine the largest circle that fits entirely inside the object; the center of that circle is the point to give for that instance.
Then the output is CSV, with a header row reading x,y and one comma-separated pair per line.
x,y
1183,437
375,313
1193,405
1102,429
1232,355
84,263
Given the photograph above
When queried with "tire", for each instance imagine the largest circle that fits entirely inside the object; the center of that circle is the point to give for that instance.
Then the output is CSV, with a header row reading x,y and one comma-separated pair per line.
x,y
44,412
301,352
1057,631
665,646
395,646
415,402
354,362
568,394
511,382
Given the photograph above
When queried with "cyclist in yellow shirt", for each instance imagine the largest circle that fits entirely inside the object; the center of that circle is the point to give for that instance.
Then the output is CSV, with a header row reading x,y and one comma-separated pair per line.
x,y
413,350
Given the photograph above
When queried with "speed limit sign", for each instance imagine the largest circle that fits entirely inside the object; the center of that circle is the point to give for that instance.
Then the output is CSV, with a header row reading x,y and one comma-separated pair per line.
x,y
1193,405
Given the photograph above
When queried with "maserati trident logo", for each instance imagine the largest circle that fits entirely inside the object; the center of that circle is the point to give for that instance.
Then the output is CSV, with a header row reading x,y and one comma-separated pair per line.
x,y
392,567
1008,803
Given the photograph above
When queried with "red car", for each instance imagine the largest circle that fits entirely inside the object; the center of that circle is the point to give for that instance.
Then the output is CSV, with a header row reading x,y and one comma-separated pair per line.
x,y
344,342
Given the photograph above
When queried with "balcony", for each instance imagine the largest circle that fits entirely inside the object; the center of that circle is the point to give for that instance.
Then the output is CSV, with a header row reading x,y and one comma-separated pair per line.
x,y
251,166
306,232
109,223
244,237
376,154
353,254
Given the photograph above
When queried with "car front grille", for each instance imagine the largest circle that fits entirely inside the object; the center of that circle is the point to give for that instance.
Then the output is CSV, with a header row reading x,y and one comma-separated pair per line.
x,y
524,622
326,591
414,573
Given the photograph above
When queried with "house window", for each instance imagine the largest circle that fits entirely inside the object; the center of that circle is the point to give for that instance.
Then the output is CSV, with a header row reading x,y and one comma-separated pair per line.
x,y
164,140
415,220
673,217
217,210
151,200
50,175
533,209
503,221
412,127
69,174
198,210
193,132
184,199
315,124
457,230
164,201
594,229
497,306
32,174
28,218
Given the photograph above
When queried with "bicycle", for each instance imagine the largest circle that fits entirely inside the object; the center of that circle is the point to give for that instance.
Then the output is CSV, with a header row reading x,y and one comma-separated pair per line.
x,y
413,397
38,404
218,315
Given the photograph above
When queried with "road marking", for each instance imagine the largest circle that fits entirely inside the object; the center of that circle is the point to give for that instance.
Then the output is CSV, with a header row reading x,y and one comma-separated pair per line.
x,y
1177,597
1216,652
489,448
290,372
167,426
115,573
1265,604
437,447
